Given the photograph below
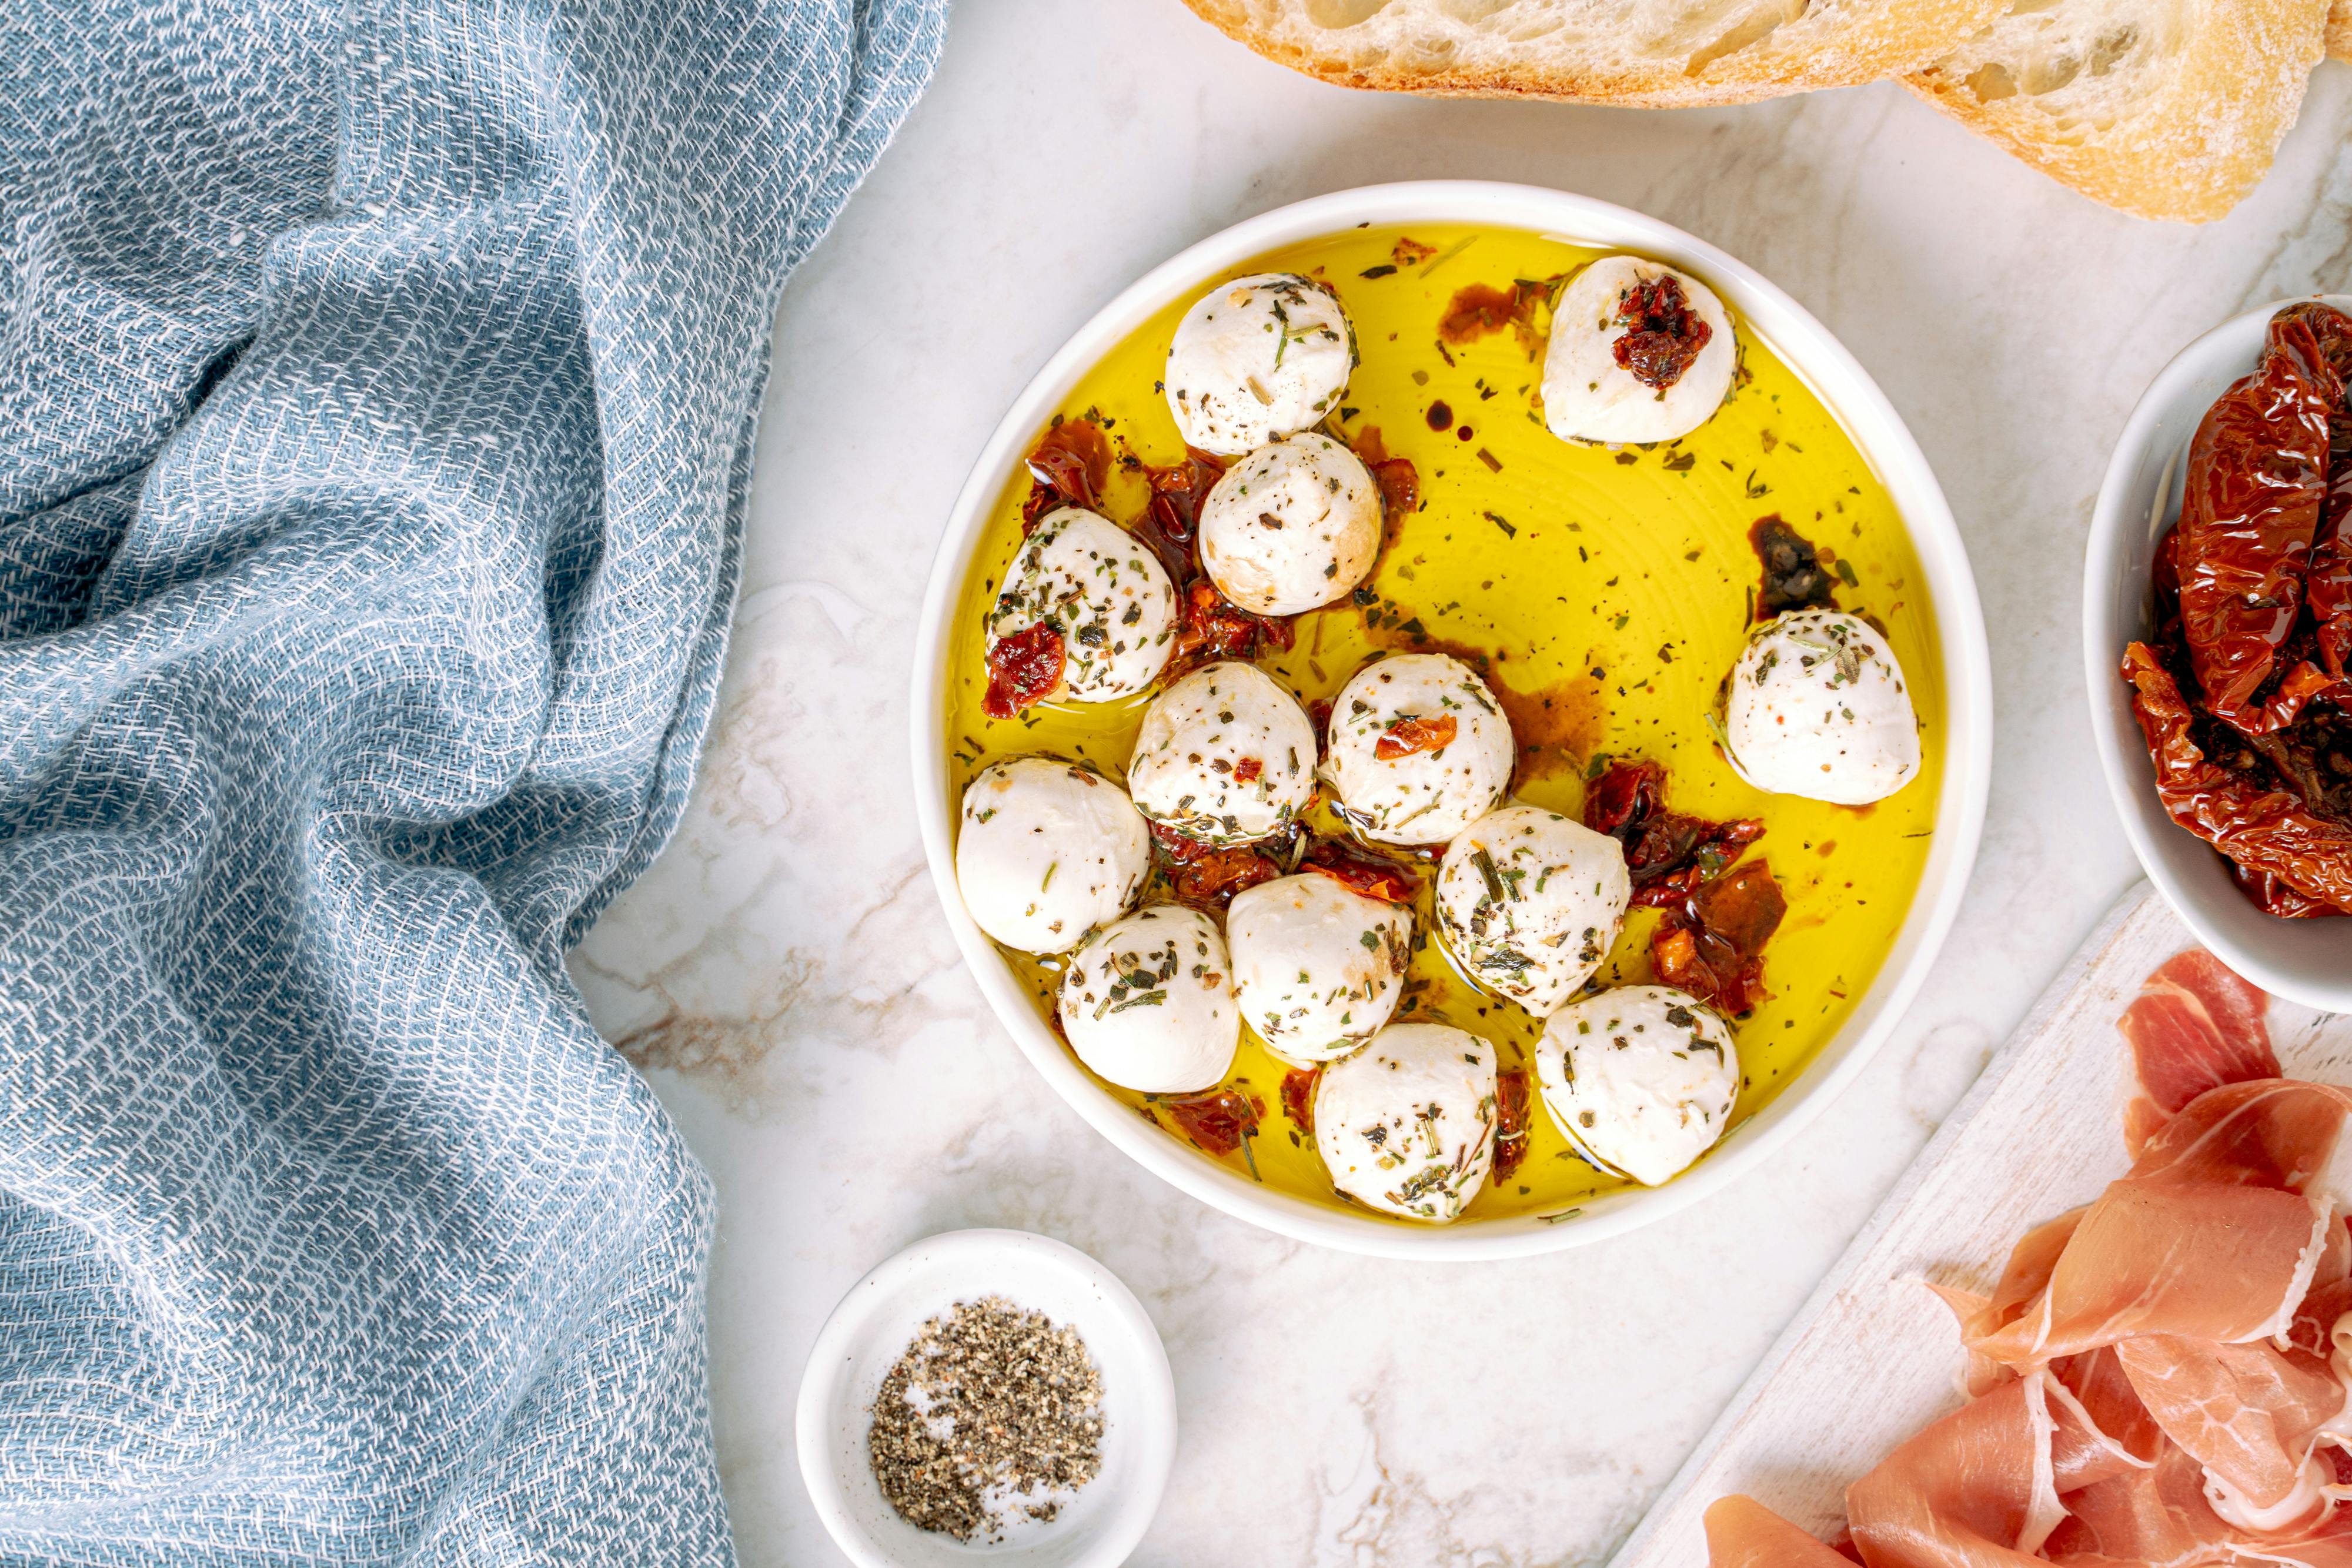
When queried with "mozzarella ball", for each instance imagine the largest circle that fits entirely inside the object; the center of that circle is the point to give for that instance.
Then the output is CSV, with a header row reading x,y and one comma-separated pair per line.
x,y
1103,590
1431,786
1529,902
1147,1002
1291,526
1641,1079
1256,360
1407,1125
1817,706
1318,967
1048,851
1226,756
1589,396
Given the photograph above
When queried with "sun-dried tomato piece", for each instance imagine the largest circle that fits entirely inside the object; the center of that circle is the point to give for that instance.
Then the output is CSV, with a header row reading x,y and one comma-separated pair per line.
x,y
2165,570
1481,308
1299,1097
1711,942
2327,586
1219,1122
2232,797
1411,735
2256,487
1668,855
1249,771
1070,466
1511,1105
1625,795
1171,523
1372,876
1400,484
1663,334
2276,897
1398,480
1794,578
1744,907
1211,627
1675,958
1024,669
2327,581
1207,878
1713,947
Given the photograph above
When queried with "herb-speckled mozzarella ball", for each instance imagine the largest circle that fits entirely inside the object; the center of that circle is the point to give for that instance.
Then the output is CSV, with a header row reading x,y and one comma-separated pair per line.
x,y
1103,590
1818,707
1641,1079
1291,526
1048,851
1419,750
1256,360
1318,967
1407,1125
1147,1002
1529,902
1589,396
1226,756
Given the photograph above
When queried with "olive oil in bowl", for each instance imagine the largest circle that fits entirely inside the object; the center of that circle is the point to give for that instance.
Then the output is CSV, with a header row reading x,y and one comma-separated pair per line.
x,y
1606,593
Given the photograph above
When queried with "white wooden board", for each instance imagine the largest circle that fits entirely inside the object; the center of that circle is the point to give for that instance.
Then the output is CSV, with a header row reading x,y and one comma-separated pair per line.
x,y
1874,1356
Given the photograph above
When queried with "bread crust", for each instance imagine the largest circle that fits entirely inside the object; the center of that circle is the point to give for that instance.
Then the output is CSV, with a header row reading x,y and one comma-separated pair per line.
x,y
1862,41
2203,117
2188,150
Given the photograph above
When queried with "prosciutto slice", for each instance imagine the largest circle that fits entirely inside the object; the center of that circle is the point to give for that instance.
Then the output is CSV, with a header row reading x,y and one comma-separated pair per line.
x,y
2274,1133
2214,1235
2160,1376
1743,1533
2245,1412
2194,1026
1981,1487
2030,1262
2157,1516
2205,1260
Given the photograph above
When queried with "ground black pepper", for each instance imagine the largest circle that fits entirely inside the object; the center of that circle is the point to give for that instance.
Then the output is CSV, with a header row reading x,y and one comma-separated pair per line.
x,y
991,1409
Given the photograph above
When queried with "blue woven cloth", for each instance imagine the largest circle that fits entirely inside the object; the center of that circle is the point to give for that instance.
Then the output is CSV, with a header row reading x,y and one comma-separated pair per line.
x,y
377,405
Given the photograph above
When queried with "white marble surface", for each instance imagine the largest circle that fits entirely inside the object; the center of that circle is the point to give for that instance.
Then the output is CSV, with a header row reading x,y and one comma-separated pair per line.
x,y
784,971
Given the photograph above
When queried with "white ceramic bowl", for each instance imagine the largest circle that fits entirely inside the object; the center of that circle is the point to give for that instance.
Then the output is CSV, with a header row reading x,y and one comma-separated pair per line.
x,y
872,1327
1840,383
2305,961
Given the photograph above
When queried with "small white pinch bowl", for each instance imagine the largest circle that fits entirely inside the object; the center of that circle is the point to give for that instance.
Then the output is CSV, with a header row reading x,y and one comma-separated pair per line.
x,y
1106,1521
1841,383
2305,961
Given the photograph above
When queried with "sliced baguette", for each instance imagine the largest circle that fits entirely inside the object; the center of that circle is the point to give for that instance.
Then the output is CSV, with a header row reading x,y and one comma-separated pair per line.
x,y
1659,53
2169,108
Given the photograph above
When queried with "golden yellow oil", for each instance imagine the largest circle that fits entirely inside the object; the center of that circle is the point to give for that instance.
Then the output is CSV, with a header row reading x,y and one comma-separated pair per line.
x,y
1611,591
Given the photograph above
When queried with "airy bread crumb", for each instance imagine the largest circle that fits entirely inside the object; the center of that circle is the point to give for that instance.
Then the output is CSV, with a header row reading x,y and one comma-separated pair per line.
x,y
1657,53
2167,108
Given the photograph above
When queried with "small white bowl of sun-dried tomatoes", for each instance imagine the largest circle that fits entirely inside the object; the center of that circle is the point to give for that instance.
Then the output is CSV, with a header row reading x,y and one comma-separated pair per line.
x,y
2217,630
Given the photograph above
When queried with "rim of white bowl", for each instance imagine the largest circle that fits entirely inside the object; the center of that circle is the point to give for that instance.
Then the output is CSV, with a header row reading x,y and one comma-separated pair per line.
x,y
1146,1405
1828,369
2123,754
